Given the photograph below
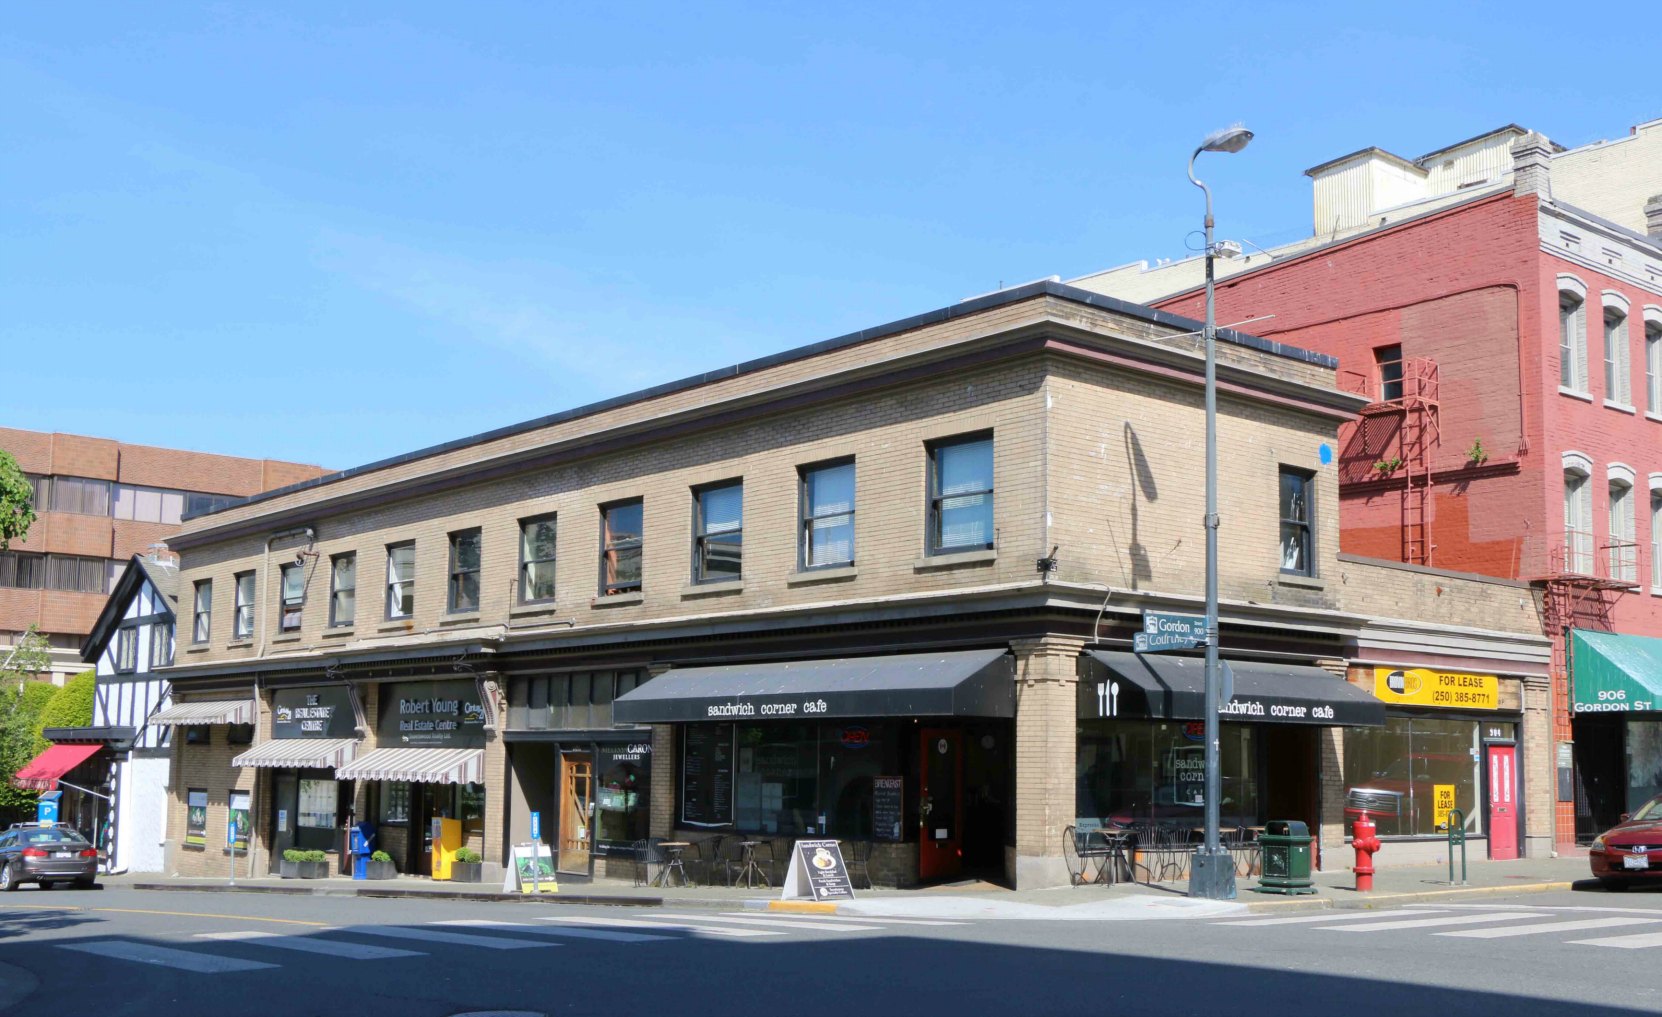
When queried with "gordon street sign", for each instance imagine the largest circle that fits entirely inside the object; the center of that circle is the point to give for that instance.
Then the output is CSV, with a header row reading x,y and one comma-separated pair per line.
x,y
1162,631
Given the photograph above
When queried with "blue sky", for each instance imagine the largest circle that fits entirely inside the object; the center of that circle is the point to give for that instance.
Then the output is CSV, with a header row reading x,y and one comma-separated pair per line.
x,y
333,233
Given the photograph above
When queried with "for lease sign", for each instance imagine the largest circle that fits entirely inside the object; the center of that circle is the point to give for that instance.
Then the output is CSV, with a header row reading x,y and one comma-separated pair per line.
x,y
1420,686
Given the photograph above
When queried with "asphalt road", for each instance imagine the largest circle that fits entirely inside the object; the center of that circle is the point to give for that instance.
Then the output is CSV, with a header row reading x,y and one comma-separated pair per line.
x,y
118,952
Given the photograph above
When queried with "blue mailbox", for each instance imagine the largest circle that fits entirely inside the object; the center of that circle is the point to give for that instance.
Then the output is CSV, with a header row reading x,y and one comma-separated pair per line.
x,y
362,843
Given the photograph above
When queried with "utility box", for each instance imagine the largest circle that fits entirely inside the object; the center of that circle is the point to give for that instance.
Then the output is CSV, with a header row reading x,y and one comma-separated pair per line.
x,y
1285,848
361,842
46,808
447,840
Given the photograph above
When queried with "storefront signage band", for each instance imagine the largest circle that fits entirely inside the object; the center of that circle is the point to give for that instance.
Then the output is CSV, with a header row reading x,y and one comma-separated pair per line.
x,y
322,711
1448,689
441,714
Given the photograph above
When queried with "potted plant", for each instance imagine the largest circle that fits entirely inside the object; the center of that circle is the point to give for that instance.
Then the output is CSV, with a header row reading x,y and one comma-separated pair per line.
x,y
298,864
1477,455
468,867
1388,466
380,866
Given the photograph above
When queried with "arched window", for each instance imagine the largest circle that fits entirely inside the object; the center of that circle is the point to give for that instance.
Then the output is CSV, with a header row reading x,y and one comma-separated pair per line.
x,y
1572,333
1578,513
1653,359
1618,386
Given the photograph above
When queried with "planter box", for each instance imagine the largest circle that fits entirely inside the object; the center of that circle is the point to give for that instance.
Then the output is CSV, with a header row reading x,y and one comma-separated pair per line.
x,y
381,870
467,872
312,870
288,869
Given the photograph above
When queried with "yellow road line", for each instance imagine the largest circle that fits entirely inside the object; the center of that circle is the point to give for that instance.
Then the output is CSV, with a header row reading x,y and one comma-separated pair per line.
x,y
201,914
43,907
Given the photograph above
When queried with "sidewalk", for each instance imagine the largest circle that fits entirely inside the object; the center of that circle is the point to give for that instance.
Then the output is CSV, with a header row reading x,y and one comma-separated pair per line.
x,y
1393,887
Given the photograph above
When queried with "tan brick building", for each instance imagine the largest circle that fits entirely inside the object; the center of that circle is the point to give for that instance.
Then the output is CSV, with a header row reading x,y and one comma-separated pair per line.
x,y
867,589
98,503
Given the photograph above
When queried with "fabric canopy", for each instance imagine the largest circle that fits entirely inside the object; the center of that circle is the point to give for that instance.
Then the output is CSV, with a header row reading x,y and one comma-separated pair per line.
x,y
44,771
419,766
1132,685
321,753
968,683
1615,674
207,711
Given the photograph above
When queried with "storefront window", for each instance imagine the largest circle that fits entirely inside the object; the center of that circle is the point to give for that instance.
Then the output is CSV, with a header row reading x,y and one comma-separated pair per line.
x,y
851,755
622,796
1141,772
395,802
470,806
1409,773
776,769
318,799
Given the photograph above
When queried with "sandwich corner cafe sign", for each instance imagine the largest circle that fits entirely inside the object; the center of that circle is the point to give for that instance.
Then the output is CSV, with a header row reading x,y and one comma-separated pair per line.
x,y
1419,686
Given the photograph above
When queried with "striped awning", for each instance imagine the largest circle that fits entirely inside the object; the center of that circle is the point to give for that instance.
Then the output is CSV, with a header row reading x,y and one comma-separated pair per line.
x,y
316,753
206,711
419,766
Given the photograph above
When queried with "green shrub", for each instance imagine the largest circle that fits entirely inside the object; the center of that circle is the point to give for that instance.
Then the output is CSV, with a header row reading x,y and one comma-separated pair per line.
x,y
380,856
297,855
71,706
467,855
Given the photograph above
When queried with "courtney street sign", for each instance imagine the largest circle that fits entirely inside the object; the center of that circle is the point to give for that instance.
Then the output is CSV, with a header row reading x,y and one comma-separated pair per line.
x,y
1162,631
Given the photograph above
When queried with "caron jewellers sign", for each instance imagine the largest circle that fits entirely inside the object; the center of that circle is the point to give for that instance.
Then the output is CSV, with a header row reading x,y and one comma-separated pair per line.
x,y
442,714
321,711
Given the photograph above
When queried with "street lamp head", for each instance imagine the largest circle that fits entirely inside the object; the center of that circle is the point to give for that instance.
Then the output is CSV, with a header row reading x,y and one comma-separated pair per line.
x,y
1230,139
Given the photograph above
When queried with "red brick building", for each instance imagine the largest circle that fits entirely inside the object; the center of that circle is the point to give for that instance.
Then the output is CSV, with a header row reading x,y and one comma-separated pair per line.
x,y
1506,319
99,502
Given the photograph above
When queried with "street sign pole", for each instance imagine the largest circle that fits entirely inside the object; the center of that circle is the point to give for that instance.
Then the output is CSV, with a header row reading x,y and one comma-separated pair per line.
x,y
231,847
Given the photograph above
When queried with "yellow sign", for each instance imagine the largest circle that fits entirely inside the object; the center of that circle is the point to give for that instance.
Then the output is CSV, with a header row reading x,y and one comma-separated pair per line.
x,y
1442,795
1423,687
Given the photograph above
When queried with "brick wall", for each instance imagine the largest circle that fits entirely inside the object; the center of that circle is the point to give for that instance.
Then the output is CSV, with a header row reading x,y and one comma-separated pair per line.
x,y
208,767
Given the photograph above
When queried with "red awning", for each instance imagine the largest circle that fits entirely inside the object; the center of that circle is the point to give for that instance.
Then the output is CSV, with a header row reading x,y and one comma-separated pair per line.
x,y
44,770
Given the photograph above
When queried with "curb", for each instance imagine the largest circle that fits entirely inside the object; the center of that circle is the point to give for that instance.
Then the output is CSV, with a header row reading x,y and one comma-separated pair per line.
x,y
464,895
795,907
1384,900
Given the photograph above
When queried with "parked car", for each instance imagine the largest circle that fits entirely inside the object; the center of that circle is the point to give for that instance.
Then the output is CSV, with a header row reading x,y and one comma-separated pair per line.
x,y
31,853
1631,850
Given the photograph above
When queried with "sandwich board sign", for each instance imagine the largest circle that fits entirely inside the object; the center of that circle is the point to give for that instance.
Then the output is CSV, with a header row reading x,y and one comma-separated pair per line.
x,y
817,872
532,870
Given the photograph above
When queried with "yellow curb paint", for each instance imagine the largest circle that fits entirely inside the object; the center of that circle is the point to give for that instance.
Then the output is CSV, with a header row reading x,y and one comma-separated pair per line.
x,y
803,907
202,914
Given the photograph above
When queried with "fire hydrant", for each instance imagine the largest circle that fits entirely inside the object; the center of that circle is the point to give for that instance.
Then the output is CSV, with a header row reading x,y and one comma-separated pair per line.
x,y
1366,841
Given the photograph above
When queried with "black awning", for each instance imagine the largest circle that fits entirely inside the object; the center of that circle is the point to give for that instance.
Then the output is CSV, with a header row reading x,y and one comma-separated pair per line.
x,y
970,683
1129,685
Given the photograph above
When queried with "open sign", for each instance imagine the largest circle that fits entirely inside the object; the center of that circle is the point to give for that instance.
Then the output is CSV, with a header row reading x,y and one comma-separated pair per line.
x,y
855,736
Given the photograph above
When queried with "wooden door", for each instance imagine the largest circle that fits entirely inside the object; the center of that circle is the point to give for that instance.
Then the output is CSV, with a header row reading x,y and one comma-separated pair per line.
x,y
576,810
940,803
1503,806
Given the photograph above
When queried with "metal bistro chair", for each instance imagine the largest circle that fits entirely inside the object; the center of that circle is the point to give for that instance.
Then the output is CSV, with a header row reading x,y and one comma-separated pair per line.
x,y
858,860
647,854
703,857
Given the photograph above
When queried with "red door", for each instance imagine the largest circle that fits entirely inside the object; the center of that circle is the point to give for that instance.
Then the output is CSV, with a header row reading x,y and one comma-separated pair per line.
x,y
940,803
1503,805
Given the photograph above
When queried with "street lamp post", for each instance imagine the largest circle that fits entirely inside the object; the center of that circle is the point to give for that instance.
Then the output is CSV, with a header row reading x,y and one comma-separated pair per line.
x,y
1212,870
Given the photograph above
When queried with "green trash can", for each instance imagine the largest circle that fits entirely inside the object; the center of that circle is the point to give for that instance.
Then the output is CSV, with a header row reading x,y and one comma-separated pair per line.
x,y
1284,847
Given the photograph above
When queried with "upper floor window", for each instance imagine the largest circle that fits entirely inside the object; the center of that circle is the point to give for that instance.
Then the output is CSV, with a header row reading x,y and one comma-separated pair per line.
x,y
81,495
79,575
401,580
22,571
464,570
1617,386
126,649
1572,341
148,504
718,532
343,589
1578,520
620,547
827,514
42,498
196,504
1624,552
1297,522
961,494
242,619
1388,360
161,644
1656,539
202,611
537,558
1653,366
294,597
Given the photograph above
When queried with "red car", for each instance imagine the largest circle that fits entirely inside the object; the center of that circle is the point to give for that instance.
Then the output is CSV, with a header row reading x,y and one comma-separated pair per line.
x,y
1631,850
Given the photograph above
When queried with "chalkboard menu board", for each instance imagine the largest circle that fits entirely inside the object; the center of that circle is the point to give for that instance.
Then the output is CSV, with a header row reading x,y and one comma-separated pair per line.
x,y
707,774
887,807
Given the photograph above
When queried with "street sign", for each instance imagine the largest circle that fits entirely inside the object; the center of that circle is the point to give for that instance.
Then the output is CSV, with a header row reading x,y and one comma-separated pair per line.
x,y
1163,631
536,826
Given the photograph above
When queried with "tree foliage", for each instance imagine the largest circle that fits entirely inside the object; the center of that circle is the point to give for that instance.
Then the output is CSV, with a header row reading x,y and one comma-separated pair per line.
x,y
71,706
21,704
17,501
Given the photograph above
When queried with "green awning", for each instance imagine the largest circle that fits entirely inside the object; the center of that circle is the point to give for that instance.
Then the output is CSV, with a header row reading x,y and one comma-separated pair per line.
x,y
1615,674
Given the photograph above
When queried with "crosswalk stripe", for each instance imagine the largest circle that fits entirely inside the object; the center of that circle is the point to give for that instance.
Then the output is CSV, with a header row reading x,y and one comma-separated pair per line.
x,y
1643,941
636,923
309,944
777,923
840,919
453,938
1327,917
1421,923
570,931
1538,928
166,957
